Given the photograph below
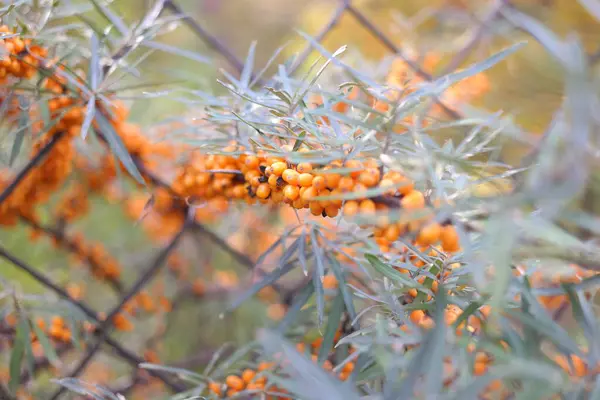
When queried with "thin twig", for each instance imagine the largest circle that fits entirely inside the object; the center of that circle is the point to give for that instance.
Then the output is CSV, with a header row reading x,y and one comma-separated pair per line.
x,y
375,31
337,16
30,165
70,245
478,34
209,39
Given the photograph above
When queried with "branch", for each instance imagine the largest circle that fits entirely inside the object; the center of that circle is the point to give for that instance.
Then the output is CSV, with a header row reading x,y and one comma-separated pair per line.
x,y
30,165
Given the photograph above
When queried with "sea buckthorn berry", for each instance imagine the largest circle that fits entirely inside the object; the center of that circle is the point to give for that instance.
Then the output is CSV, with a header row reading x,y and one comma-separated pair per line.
x,y
277,196
417,316
413,200
346,184
268,171
330,282
369,177
332,211
356,165
235,382
290,176
318,183
332,180
350,208
273,181
315,208
367,206
291,192
215,388
252,162
304,168
278,168
248,375
429,234
263,191
391,233
450,239
305,179
308,194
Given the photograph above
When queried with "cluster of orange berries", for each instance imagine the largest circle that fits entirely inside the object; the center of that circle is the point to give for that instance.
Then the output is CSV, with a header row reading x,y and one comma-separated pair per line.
x,y
216,179
248,380
58,331
73,205
256,380
20,59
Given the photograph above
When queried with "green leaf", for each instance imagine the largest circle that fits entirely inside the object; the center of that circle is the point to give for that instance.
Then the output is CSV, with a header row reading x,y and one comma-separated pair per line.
x,y
24,127
118,148
95,69
29,358
16,358
318,274
498,247
182,373
90,112
300,300
480,66
333,322
246,74
267,280
46,345
341,278
392,274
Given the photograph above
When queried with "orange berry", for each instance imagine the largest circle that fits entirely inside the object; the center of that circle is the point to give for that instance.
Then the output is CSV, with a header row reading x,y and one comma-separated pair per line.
x,y
417,316
235,382
315,208
291,192
391,233
369,177
290,176
248,375
308,194
356,165
303,168
305,179
479,369
413,200
449,238
272,181
332,211
332,180
318,183
278,168
430,234
263,191
346,184
330,282
349,367
367,206
215,388
350,208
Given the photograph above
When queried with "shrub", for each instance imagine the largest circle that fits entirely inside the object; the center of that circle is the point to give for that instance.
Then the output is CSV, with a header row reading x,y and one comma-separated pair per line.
x,y
393,253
